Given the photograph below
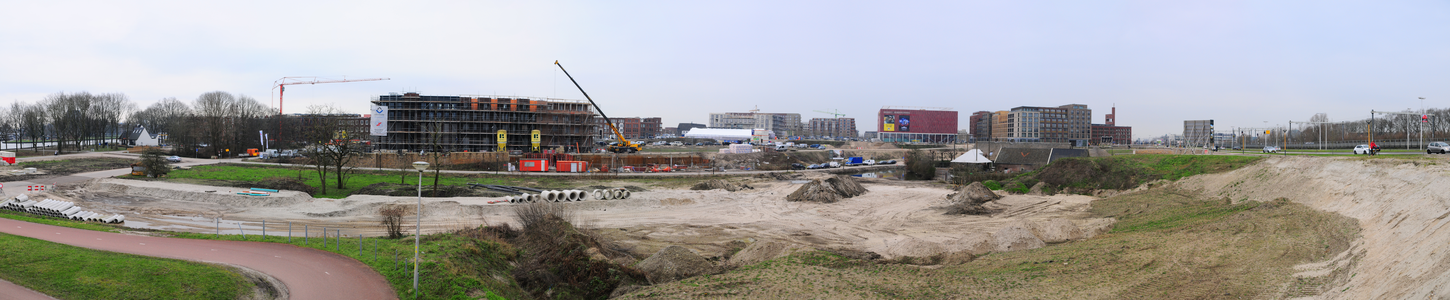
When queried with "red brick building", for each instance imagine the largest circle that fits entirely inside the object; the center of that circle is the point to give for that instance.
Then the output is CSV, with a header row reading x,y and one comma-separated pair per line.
x,y
916,124
1111,134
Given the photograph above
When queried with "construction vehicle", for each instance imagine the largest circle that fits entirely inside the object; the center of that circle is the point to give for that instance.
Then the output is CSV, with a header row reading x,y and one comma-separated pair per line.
x,y
623,145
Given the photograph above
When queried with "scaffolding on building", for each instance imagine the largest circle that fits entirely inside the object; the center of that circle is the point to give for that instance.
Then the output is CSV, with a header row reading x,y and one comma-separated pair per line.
x,y
471,123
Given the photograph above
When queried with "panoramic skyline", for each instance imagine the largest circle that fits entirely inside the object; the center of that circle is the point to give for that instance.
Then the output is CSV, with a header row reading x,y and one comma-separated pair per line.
x,y
1240,63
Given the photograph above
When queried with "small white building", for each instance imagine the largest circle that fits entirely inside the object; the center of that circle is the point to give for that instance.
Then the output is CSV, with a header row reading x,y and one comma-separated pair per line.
x,y
139,137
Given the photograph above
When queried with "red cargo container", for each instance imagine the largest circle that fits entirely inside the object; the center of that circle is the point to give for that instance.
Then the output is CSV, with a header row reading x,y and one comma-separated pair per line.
x,y
572,166
533,165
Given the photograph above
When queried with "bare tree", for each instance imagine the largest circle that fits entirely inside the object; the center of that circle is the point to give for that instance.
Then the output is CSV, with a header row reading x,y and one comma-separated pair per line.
x,y
333,151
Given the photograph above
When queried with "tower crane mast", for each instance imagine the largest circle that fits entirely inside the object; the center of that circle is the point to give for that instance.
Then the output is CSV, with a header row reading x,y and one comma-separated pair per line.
x,y
281,84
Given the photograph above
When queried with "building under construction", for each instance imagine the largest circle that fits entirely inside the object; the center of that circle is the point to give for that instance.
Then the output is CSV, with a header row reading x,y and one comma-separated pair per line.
x,y
471,123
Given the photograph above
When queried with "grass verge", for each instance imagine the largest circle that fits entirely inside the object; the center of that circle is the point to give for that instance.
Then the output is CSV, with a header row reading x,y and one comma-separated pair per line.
x,y
69,272
451,266
1126,172
243,174
1169,244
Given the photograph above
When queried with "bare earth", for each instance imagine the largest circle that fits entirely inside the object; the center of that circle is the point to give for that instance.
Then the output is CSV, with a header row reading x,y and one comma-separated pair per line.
x,y
893,219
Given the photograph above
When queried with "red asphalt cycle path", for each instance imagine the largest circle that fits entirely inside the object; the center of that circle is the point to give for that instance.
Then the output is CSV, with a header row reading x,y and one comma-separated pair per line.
x,y
307,273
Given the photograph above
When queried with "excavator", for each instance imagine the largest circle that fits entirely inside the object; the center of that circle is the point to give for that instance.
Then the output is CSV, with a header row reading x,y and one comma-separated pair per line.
x,y
623,145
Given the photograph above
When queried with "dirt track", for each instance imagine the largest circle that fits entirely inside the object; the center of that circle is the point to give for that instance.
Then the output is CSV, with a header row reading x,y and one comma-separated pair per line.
x,y
307,273
1402,208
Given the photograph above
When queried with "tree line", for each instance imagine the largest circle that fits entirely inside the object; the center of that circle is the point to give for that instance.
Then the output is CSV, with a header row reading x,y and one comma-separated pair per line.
x,y
214,123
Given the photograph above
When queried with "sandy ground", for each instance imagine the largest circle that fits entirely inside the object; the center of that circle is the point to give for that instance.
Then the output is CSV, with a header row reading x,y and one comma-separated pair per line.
x,y
1401,205
893,219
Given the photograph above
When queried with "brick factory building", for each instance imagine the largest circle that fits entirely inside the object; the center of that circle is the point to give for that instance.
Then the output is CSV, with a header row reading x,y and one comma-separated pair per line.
x,y
916,124
470,123
1109,133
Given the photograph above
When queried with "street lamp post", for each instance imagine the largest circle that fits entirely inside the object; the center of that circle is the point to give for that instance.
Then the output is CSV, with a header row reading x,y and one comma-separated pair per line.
x,y
421,166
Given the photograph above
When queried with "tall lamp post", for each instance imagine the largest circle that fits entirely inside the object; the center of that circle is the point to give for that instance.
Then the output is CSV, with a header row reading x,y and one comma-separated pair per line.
x,y
421,166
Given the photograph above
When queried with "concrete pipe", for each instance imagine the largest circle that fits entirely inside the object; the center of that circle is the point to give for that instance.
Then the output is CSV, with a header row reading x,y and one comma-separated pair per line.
x,y
532,198
619,194
596,195
510,199
581,195
568,195
626,193
22,197
71,212
120,219
63,206
576,195
552,196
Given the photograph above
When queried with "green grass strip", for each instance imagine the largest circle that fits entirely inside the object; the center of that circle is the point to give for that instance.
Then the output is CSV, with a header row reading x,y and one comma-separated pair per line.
x,y
69,272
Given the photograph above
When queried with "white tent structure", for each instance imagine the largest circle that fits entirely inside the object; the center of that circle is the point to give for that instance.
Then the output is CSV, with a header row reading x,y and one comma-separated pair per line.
x,y
722,134
973,156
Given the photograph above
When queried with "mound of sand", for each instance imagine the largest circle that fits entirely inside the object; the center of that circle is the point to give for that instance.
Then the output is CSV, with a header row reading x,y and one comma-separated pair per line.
x,y
765,250
1056,230
720,184
969,200
1017,235
829,190
674,263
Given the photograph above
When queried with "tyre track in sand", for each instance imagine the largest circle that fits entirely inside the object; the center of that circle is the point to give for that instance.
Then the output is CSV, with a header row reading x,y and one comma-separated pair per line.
x,y
307,273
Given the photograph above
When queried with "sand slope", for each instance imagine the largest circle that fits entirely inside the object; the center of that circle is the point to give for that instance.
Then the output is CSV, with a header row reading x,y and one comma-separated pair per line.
x,y
1401,206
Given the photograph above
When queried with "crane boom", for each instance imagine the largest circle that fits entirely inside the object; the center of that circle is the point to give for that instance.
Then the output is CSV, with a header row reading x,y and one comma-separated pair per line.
x,y
628,146
295,80
836,113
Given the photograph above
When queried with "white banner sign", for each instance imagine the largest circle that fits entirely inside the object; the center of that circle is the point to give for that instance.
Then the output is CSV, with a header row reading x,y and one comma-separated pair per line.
x,y
379,123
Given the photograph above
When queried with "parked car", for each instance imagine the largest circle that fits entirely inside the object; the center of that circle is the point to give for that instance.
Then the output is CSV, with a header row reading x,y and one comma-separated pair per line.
x,y
869,162
813,166
797,166
173,158
889,162
834,164
1272,149
1361,149
1437,147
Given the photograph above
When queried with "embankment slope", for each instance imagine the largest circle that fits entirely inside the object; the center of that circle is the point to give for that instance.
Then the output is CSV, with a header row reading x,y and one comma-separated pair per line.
x,y
1401,206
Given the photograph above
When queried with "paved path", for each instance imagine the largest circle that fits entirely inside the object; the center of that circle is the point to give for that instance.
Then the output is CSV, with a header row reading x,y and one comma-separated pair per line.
x,y
307,273
11,291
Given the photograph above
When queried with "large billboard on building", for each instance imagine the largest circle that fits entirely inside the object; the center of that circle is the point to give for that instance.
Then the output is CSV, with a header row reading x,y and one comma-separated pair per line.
x,y
917,121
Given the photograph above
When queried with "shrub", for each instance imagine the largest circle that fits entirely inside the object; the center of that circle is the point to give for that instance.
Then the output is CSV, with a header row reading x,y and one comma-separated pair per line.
x,y
155,164
993,185
557,263
393,220
1017,188
919,166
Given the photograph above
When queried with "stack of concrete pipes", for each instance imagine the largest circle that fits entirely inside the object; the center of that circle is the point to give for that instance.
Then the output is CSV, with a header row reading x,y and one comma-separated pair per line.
x,y
569,196
58,209
610,194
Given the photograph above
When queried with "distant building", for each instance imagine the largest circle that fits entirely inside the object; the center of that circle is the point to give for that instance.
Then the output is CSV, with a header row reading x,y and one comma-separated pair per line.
x,y
906,124
980,125
1070,123
783,124
685,127
832,127
139,137
633,127
1109,133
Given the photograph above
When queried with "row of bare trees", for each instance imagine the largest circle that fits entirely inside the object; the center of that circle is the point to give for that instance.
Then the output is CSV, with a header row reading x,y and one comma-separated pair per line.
x,y
1394,127
72,121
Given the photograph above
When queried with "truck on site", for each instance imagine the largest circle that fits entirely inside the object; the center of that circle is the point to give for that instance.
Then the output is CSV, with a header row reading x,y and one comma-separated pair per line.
x,y
852,161
623,145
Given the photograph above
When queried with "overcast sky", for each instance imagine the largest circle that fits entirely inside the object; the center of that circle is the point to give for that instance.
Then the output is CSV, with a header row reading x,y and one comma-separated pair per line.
x,y
1161,62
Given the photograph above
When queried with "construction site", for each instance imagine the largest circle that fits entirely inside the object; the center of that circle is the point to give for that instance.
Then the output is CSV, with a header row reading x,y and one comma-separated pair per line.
x,y
478,123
